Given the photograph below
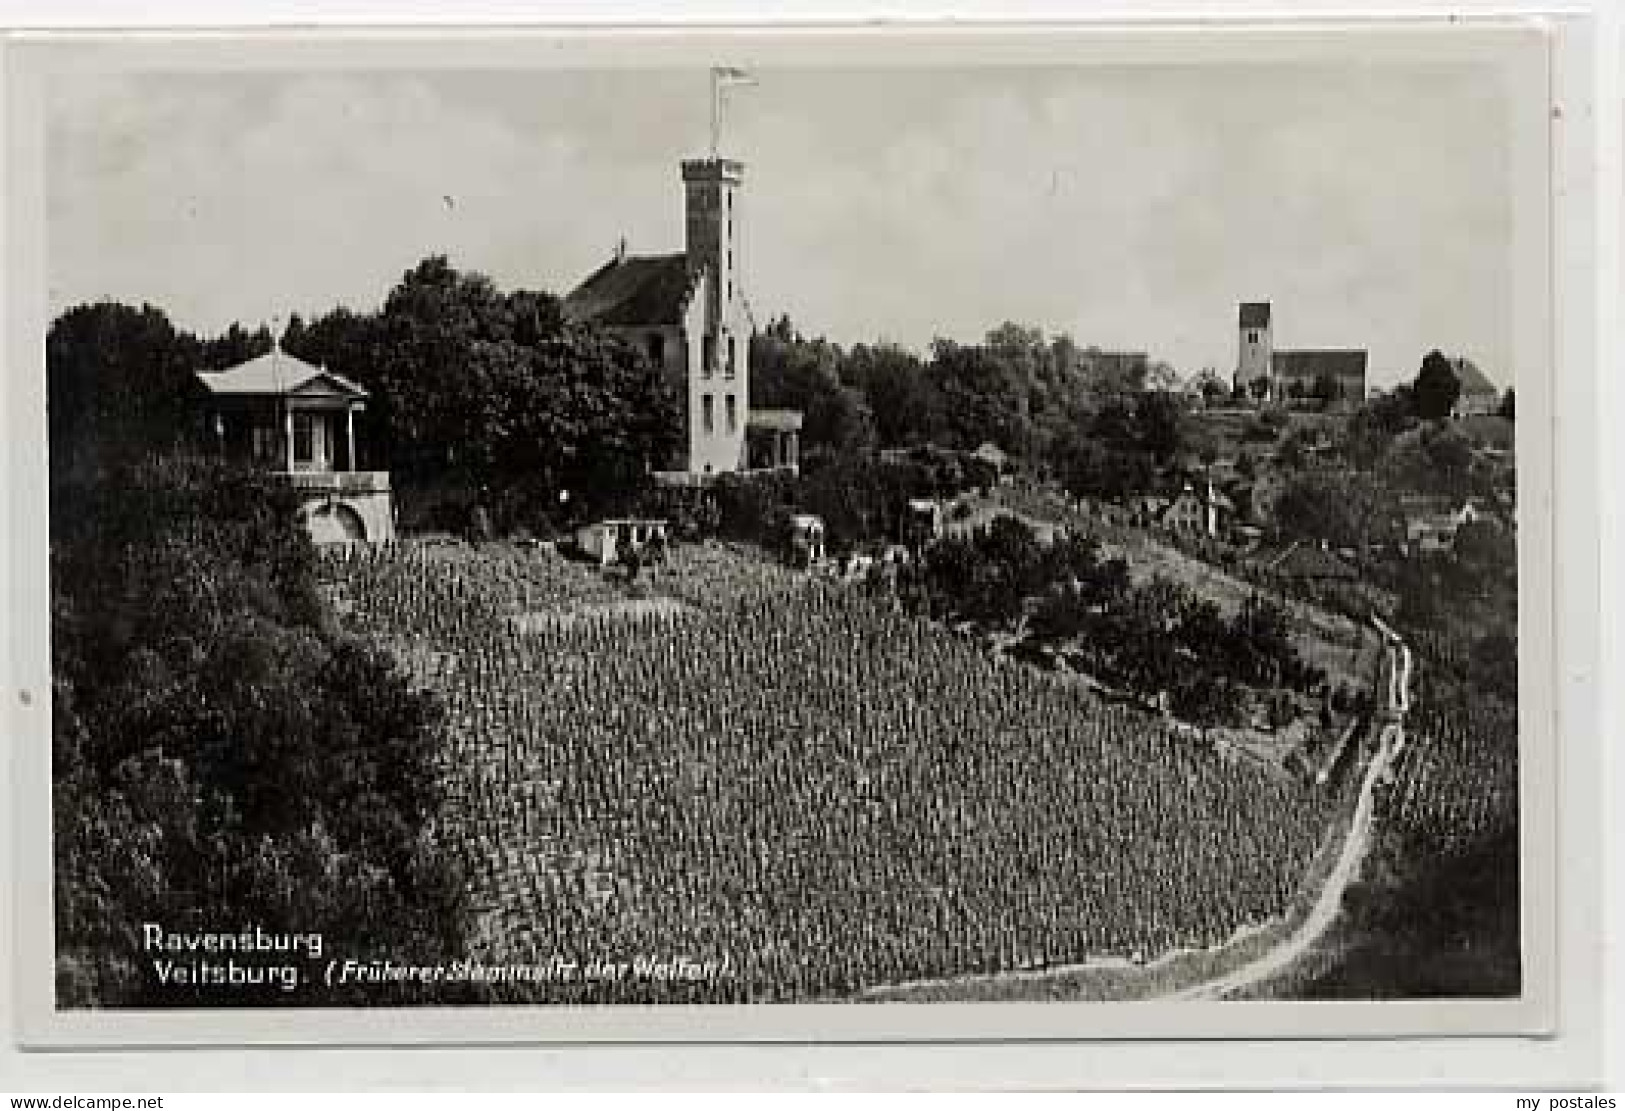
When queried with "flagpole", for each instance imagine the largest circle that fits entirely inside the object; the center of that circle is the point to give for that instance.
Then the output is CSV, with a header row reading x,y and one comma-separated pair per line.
x,y
716,113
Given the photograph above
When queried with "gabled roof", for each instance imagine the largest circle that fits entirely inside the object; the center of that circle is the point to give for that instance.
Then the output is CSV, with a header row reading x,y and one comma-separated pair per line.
x,y
634,291
778,420
990,452
1255,314
276,374
1473,380
1307,362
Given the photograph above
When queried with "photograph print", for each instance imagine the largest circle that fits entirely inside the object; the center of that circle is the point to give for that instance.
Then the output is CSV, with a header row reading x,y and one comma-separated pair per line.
x,y
749,532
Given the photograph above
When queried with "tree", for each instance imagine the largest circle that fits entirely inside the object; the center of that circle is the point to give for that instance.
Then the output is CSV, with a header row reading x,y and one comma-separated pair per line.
x,y
1449,457
498,388
985,396
1370,434
905,403
1160,418
791,372
1437,388
119,384
1211,387
212,735
1343,509
1161,376
1326,390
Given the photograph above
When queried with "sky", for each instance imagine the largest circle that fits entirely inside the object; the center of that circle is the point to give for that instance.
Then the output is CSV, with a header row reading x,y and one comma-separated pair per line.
x,y
1130,207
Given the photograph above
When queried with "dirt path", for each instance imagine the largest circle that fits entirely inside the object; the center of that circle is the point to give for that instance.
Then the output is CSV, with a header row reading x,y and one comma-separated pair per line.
x,y
1330,902
1314,926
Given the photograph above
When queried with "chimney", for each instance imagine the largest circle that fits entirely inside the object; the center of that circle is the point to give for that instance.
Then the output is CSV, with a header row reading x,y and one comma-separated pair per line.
x,y
620,250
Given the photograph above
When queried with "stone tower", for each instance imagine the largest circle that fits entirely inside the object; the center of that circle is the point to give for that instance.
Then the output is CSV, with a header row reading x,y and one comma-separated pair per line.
x,y
720,395
1255,348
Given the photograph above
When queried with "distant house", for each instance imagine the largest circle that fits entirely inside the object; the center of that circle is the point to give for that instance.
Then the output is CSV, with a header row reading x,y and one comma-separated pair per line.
x,y
297,421
991,453
1193,512
1430,529
1478,396
994,456
1306,377
806,539
604,541
1146,510
922,521
1301,377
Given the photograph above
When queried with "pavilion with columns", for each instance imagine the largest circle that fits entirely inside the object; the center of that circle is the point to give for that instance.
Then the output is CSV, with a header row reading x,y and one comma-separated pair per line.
x,y
297,421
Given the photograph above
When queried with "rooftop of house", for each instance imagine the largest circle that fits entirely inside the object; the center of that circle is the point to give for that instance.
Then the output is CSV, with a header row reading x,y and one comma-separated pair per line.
x,y
1306,361
1473,381
633,290
275,374
990,452
1255,314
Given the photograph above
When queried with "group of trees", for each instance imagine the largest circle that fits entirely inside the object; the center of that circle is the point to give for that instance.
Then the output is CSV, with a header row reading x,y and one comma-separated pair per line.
x,y
221,755
1073,411
473,387
469,386
1157,639
119,382
497,388
861,500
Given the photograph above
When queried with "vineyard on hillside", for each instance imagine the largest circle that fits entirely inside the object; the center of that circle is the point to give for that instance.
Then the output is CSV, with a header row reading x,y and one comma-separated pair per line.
x,y
740,764
1437,912
1456,783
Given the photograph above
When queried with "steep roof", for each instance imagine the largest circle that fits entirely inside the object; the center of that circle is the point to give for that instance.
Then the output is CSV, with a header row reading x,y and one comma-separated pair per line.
x,y
990,452
1255,314
632,291
778,420
275,373
1309,362
1473,380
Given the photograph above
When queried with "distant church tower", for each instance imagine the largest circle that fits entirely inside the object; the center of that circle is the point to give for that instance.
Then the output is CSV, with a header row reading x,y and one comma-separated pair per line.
x,y
1255,350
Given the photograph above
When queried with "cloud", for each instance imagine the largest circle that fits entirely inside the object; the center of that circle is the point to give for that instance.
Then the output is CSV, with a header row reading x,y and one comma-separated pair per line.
x,y
1130,207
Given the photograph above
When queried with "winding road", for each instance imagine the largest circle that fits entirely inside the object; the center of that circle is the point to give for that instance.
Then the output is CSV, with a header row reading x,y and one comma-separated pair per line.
x,y
1330,901
1327,904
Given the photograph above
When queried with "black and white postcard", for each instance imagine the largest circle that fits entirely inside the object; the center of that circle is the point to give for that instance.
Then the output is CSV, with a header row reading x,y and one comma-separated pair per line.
x,y
613,535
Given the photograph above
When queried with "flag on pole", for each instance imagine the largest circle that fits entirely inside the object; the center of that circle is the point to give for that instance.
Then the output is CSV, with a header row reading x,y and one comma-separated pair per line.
x,y
721,78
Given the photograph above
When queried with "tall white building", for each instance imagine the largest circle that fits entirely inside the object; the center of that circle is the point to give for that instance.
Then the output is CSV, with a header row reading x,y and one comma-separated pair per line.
x,y
687,311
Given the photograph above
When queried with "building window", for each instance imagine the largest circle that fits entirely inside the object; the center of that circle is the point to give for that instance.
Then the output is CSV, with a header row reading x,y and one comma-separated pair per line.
x,y
733,415
707,416
708,355
266,447
657,348
304,435
733,356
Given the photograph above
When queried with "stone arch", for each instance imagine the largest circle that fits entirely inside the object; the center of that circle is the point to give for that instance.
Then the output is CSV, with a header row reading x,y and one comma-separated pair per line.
x,y
333,522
